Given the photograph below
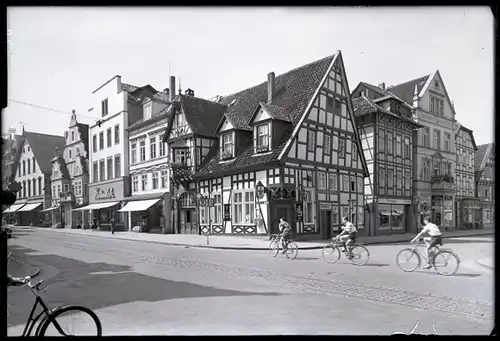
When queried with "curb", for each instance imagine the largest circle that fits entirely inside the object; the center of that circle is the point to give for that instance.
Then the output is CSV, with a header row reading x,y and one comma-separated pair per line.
x,y
480,263
267,248
37,270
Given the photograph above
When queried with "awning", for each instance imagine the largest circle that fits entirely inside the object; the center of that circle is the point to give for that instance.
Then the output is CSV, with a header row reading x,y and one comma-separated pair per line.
x,y
29,207
137,206
50,209
97,206
13,208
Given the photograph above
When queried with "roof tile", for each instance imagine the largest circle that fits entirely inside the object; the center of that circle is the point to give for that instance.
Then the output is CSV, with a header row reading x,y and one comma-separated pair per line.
x,y
44,148
406,90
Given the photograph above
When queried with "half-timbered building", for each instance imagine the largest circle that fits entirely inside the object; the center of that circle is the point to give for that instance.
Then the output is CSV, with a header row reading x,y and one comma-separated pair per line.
x,y
386,127
434,148
467,206
288,148
485,182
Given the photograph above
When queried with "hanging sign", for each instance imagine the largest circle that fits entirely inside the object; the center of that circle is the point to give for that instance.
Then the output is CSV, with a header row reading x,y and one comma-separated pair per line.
x,y
202,202
260,190
211,202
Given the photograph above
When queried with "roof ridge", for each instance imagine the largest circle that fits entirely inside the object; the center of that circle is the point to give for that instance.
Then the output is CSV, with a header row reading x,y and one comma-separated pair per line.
x,y
32,132
410,81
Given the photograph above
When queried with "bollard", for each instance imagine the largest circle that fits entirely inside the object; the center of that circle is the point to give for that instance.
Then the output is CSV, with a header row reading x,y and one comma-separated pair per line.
x,y
208,241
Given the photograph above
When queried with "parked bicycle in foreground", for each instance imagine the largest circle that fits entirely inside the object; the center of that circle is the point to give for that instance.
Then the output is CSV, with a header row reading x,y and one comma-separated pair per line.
x,y
275,247
357,253
440,258
52,320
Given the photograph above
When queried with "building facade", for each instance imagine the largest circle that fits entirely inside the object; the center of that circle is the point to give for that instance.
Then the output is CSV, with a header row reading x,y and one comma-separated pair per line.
x,y
148,169
33,172
467,206
433,149
386,127
485,182
287,147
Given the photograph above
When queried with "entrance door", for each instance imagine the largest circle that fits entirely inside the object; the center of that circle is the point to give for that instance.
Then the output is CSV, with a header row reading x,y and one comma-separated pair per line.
x,y
325,224
282,210
188,222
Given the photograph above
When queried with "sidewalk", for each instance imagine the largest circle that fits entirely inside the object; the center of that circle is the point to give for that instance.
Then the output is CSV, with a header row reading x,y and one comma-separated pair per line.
x,y
18,268
244,242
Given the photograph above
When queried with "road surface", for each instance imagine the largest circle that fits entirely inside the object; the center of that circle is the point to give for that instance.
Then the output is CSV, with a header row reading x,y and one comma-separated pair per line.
x,y
139,288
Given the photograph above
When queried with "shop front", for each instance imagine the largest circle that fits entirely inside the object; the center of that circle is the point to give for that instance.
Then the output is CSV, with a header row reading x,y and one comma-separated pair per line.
x,y
28,215
468,213
10,214
148,212
442,211
394,216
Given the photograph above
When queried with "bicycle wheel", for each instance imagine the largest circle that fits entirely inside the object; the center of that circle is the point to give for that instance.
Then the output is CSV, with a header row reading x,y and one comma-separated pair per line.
x,y
331,254
446,259
359,255
405,256
275,248
87,322
271,249
292,250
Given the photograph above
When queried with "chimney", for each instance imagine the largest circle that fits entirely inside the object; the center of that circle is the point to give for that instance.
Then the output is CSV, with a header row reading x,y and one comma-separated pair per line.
x,y
270,87
172,88
382,85
167,91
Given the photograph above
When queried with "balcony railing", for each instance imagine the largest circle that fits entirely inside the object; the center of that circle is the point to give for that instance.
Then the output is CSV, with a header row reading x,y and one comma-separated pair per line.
x,y
442,182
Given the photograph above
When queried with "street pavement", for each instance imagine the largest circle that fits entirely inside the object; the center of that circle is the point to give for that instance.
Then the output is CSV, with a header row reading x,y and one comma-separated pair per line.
x,y
141,288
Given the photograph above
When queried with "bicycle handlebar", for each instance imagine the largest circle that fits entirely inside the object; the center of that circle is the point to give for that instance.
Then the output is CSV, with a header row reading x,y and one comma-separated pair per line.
x,y
37,286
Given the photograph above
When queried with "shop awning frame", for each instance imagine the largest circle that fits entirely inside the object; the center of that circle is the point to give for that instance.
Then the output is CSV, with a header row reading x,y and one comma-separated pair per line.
x,y
138,205
97,206
29,207
13,208
50,209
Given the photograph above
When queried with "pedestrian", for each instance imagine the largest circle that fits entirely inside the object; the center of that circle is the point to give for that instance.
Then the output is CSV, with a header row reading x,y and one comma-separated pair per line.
x,y
94,224
162,223
112,223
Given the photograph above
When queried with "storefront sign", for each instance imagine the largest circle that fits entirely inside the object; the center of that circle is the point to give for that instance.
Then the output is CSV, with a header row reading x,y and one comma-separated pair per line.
x,y
260,190
104,193
112,191
325,206
299,212
227,212
394,201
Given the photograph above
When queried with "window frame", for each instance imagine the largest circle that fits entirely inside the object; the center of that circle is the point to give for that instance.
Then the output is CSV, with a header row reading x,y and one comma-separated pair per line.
x,y
227,146
322,180
327,143
245,207
142,150
109,137
117,165
262,148
117,134
152,148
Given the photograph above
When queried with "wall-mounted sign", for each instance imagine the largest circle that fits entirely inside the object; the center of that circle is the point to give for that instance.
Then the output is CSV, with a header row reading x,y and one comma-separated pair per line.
x,y
211,202
104,193
260,190
202,202
227,212
299,213
325,206
111,191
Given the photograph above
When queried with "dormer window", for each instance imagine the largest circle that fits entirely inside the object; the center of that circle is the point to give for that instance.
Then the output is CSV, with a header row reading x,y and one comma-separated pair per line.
x,y
262,138
227,146
148,108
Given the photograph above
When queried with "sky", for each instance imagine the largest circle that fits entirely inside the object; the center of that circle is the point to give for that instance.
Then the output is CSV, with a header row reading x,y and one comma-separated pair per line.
x,y
58,55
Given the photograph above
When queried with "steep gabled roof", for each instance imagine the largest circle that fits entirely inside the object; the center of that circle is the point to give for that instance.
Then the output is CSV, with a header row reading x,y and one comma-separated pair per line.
x,y
64,169
294,90
467,130
363,106
482,154
44,148
202,115
406,90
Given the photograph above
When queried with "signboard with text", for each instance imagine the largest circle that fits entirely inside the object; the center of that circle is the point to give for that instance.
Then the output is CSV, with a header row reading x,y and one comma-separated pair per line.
x,y
103,192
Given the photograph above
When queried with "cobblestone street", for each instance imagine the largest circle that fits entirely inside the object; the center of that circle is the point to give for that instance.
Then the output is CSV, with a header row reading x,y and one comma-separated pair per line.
x,y
141,288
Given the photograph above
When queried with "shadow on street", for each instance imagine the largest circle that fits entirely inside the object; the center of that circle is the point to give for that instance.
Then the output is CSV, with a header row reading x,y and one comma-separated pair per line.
x,y
99,285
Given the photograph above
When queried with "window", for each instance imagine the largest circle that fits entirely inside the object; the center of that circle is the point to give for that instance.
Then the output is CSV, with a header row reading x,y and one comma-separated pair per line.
x,y
155,180
24,188
354,152
398,145
66,188
311,140
94,143
101,140
135,183
407,180
104,107
341,152
308,208
117,166
40,186
54,193
263,138
345,183
390,178
133,153
425,137
399,179
361,213
335,214
353,184
327,143
361,185
447,140
243,207
238,207
249,207
69,152
217,209
108,137
426,169
144,182
29,166
164,179
436,139
152,147
161,145
72,135
389,143
34,187
321,180
142,150
180,156
28,183
381,141
24,167
436,106
333,182
381,178
19,171
407,148
148,109
117,134
446,169
101,170
329,104
227,146
109,162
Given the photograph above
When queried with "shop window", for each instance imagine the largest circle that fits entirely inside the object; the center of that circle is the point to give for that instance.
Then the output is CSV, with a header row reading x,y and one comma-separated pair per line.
x,y
135,183
243,207
392,217
335,215
216,213
308,208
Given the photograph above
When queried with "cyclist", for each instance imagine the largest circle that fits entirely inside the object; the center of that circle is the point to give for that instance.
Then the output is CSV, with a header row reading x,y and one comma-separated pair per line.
x,y
348,234
435,238
285,229
15,281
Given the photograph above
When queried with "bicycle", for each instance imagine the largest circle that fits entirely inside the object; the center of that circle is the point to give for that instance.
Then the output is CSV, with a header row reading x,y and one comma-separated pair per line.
x,y
53,317
439,258
354,253
291,248
274,238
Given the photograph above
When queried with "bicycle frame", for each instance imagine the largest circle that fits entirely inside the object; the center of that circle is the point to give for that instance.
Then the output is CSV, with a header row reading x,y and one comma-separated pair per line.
x,y
30,324
424,254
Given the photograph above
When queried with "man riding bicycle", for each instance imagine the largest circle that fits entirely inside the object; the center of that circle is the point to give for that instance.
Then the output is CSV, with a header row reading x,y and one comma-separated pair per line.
x,y
285,229
435,238
348,234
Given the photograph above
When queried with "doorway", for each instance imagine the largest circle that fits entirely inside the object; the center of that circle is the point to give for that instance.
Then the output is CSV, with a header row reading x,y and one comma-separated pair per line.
x,y
325,224
187,222
282,210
